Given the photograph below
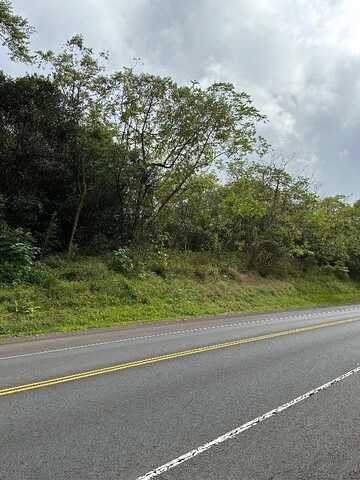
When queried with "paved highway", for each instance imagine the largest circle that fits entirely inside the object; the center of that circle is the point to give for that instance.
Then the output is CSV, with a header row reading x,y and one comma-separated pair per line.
x,y
265,396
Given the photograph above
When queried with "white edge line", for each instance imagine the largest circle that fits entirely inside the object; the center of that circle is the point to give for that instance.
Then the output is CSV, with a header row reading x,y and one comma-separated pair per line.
x,y
246,426
141,337
145,337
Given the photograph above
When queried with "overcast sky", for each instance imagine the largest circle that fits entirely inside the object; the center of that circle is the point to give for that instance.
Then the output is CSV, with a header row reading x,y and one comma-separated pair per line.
x,y
298,59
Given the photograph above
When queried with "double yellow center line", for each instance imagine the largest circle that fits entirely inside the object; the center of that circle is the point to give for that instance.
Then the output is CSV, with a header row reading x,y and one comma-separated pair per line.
x,y
170,356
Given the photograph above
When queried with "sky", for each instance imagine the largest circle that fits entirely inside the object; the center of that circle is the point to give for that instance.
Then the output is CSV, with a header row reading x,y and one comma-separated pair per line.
x,y
298,59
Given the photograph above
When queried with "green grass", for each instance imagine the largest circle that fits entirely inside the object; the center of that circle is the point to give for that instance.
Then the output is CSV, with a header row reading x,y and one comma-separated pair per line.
x,y
85,293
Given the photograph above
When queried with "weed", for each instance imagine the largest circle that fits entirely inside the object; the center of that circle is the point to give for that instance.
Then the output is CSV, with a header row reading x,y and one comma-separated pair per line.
x,y
81,293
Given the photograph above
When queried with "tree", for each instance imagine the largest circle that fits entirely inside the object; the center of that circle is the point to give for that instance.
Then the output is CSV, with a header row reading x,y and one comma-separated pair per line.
x,y
156,134
174,132
190,220
34,135
353,235
15,32
79,75
329,231
267,208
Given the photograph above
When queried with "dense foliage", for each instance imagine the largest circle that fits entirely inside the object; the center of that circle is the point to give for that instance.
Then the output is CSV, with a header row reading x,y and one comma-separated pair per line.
x,y
14,32
111,163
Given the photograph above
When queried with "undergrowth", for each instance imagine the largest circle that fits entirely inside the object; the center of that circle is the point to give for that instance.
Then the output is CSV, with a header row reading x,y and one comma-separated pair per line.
x,y
84,293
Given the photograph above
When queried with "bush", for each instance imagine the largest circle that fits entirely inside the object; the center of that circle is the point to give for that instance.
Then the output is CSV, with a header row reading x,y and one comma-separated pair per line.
x,y
84,269
339,271
354,268
42,275
17,255
133,295
268,257
122,261
55,261
200,273
23,308
159,262
210,271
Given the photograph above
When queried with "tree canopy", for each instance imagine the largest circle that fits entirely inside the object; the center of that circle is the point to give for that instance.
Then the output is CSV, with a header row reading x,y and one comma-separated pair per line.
x,y
91,161
15,32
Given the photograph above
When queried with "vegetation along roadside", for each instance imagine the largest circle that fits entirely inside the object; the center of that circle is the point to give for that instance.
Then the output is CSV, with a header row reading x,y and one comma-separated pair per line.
x,y
127,197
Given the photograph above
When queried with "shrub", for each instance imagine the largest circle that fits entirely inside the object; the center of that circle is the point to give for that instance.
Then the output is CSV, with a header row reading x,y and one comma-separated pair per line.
x,y
82,270
42,275
268,257
159,262
17,255
24,308
133,295
55,261
339,271
233,274
200,273
122,261
354,267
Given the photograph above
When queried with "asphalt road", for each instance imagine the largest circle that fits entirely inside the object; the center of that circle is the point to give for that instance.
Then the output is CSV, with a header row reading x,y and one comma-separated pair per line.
x,y
172,389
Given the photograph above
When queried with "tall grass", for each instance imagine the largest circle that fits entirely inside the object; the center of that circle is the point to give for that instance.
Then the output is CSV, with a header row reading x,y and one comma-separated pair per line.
x,y
85,293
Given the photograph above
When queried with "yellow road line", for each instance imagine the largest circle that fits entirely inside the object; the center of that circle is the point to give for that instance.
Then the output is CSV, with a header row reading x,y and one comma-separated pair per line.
x,y
171,356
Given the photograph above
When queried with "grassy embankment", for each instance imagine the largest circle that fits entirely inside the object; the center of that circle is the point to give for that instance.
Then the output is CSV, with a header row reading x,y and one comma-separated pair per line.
x,y
85,293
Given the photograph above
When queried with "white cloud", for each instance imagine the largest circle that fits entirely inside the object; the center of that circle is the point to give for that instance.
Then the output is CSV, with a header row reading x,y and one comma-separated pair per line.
x,y
299,59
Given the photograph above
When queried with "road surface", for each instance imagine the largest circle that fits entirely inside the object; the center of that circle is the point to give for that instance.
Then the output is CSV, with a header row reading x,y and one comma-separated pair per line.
x,y
220,398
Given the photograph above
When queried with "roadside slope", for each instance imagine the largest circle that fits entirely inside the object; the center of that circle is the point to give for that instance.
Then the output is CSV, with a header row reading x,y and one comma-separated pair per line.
x,y
85,294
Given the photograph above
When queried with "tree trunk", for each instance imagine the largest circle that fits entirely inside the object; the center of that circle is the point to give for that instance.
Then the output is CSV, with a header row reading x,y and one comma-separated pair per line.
x,y
76,220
